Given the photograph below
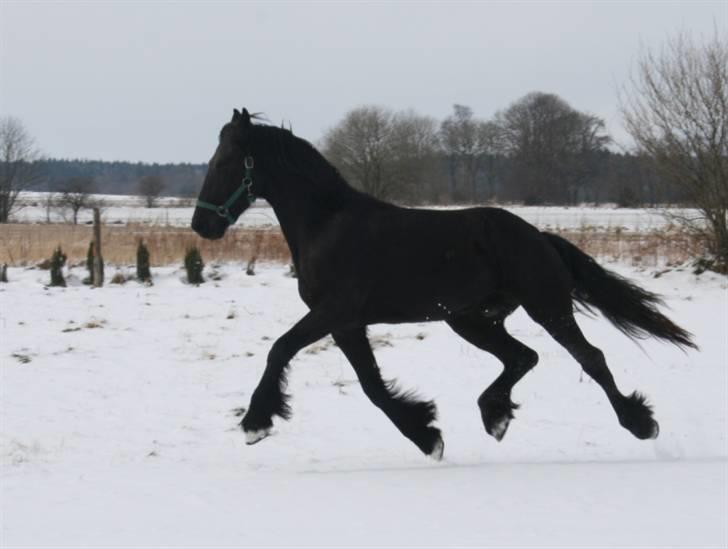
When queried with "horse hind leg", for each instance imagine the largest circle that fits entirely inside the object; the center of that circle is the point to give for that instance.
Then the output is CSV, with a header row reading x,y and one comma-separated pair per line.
x,y
412,416
489,334
633,412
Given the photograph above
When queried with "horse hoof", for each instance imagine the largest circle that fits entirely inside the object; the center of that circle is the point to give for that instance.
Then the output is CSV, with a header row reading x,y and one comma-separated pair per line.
x,y
437,450
252,437
655,430
498,429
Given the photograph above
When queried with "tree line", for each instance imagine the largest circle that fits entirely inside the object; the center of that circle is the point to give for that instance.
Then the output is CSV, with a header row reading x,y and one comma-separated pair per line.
x,y
182,180
539,150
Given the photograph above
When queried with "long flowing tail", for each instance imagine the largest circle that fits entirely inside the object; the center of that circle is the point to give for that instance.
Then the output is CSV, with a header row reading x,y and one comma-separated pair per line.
x,y
630,308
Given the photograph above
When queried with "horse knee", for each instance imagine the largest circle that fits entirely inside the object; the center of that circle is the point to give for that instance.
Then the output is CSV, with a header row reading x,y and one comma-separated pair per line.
x,y
279,354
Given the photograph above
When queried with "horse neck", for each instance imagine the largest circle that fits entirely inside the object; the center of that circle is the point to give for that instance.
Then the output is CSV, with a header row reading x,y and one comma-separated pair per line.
x,y
304,205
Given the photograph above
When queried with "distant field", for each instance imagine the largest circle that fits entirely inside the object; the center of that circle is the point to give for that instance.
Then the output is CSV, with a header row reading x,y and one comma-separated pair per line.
x,y
117,209
178,212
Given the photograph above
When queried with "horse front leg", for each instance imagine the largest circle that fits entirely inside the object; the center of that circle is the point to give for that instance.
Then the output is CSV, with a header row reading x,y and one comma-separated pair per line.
x,y
410,414
269,398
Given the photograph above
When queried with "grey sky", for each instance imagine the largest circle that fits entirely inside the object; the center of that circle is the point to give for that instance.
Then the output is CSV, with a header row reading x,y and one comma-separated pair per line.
x,y
155,81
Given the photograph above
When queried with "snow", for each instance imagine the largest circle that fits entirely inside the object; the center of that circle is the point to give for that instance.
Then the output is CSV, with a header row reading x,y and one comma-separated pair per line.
x,y
178,212
119,209
118,427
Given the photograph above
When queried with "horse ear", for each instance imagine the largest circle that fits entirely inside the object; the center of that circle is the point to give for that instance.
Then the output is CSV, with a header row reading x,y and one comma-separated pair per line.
x,y
245,117
236,115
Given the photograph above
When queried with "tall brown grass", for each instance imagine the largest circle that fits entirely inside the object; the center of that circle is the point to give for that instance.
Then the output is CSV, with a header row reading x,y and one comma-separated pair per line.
x,y
27,244
670,245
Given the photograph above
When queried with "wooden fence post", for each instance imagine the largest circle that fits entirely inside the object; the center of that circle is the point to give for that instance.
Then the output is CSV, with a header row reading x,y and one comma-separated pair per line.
x,y
98,260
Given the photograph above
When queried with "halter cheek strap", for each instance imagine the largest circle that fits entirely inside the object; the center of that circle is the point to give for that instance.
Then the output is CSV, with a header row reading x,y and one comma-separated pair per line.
x,y
245,187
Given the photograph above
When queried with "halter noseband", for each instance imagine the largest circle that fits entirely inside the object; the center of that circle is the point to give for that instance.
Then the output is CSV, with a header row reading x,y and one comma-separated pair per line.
x,y
245,186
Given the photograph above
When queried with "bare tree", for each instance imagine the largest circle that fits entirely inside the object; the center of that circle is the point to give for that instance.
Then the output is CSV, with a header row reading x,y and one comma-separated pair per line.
x,y
492,148
461,136
50,202
76,194
552,147
359,146
471,147
18,168
150,187
389,155
675,107
413,147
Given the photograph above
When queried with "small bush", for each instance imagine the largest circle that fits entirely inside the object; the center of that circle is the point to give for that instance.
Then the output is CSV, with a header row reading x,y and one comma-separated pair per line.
x,y
703,264
58,260
142,266
194,266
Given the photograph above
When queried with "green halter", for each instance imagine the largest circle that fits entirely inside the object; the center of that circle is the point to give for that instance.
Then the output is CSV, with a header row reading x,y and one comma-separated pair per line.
x,y
245,186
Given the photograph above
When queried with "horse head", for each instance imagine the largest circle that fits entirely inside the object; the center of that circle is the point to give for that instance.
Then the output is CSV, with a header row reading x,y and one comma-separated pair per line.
x,y
232,179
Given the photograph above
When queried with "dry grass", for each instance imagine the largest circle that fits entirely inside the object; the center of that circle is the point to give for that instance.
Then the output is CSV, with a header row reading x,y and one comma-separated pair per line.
x,y
26,244
669,246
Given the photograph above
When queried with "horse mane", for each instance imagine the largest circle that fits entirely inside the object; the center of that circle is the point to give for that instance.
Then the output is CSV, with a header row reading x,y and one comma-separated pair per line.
x,y
296,155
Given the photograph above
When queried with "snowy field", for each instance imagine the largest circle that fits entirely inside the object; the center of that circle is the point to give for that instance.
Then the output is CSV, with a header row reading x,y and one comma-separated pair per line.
x,y
119,209
118,427
130,209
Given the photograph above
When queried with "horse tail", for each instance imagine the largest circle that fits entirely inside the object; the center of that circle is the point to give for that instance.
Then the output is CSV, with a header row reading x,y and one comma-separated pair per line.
x,y
632,310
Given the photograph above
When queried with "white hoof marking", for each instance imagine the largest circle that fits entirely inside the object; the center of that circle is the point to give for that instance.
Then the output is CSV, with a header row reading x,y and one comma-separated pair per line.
x,y
499,428
251,437
438,450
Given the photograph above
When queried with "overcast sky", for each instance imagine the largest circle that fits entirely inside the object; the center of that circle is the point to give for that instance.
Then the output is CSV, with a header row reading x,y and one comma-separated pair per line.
x,y
146,81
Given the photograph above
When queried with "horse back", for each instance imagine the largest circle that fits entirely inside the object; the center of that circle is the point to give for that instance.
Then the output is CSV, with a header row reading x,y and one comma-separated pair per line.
x,y
396,264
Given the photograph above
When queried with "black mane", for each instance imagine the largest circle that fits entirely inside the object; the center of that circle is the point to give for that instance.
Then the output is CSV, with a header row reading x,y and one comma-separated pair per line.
x,y
297,156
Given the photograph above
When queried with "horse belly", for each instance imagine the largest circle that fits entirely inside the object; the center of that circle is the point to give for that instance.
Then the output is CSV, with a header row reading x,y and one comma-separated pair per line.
x,y
422,292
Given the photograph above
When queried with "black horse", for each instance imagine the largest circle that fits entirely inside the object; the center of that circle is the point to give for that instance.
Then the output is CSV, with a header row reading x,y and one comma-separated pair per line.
x,y
361,261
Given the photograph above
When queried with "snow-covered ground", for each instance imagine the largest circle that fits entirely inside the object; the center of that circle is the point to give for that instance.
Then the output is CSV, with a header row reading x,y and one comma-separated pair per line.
x,y
130,209
118,428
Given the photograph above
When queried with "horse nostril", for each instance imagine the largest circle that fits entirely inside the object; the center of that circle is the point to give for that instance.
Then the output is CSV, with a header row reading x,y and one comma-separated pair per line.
x,y
207,226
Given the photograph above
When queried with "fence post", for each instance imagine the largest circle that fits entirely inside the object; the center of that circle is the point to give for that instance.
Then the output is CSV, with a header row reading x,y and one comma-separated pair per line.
x,y
98,261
